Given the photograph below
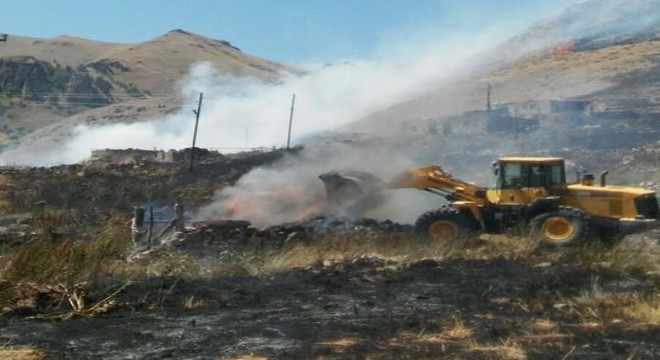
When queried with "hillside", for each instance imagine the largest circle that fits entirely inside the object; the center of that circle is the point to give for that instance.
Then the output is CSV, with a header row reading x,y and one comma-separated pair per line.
x,y
612,76
44,81
151,66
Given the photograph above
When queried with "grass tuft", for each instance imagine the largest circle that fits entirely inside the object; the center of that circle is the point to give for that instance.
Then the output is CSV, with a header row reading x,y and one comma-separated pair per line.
x,y
504,350
21,353
69,267
624,258
599,309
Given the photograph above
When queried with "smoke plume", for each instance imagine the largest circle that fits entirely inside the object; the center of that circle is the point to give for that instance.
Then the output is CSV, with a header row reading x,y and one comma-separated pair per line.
x,y
240,113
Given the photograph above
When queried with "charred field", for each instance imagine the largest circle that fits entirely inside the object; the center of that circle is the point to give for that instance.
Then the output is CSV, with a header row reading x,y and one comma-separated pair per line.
x,y
130,254
73,285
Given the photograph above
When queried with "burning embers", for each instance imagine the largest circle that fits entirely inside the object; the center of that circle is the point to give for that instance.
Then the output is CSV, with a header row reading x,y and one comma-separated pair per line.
x,y
348,194
268,207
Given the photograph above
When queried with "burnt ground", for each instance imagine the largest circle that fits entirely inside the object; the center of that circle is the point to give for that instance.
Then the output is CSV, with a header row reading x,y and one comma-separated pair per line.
x,y
548,305
495,304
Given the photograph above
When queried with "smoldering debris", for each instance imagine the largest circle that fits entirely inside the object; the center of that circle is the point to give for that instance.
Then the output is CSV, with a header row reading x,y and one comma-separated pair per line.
x,y
207,239
290,190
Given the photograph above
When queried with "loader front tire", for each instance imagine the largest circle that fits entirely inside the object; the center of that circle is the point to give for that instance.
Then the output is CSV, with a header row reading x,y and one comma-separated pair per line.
x,y
445,224
567,226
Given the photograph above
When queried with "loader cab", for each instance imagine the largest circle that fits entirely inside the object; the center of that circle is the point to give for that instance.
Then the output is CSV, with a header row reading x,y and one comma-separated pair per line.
x,y
523,172
521,180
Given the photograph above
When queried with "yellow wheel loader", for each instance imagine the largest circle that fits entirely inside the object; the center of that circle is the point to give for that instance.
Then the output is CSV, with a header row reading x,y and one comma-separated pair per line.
x,y
528,191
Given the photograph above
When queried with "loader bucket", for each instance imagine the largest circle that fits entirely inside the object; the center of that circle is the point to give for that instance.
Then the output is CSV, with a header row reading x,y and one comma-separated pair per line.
x,y
352,192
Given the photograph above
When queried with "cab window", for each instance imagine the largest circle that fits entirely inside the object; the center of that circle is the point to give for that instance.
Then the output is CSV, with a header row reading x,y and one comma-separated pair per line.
x,y
518,176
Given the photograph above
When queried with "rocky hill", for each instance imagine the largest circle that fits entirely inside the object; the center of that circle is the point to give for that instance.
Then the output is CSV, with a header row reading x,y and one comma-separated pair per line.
x,y
606,52
43,81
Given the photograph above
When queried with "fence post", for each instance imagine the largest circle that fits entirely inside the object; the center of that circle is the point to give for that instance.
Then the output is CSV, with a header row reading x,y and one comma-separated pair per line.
x,y
178,217
151,226
136,223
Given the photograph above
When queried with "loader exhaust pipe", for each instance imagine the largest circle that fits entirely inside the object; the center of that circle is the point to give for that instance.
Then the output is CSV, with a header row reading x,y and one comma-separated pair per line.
x,y
602,178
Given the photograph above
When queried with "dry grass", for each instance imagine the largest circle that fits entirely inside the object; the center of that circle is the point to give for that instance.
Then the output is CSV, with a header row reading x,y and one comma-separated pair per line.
x,y
8,352
504,350
598,310
167,263
5,194
338,346
13,199
23,354
592,312
69,261
455,340
194,303
624,258
439,333
249,356
543,331
338,248
402,249
69,267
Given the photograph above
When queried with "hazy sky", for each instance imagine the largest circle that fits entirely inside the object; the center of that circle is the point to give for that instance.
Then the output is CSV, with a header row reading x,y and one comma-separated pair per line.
x,y
291,31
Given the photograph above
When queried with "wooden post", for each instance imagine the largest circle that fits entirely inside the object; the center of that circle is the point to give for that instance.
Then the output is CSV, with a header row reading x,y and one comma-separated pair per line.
x,y
178,218
151,226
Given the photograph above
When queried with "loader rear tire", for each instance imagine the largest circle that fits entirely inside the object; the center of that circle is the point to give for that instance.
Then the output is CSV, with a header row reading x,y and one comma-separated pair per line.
x,y
566,226
445,224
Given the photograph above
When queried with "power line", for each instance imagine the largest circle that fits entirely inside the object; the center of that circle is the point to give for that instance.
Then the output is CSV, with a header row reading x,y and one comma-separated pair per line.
x,y
241,148
49,98
89,101
57,95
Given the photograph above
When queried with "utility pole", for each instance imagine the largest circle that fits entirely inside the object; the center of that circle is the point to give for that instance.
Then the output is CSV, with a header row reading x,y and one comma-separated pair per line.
x,y
488,104
192,150
288,139
490,121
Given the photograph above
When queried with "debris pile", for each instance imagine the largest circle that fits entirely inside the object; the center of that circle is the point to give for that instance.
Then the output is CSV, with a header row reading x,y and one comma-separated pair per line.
x,y
208,238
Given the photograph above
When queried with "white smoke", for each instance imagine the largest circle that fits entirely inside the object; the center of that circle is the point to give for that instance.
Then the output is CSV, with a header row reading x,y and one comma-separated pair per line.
x,y
291,190
248,113
241,113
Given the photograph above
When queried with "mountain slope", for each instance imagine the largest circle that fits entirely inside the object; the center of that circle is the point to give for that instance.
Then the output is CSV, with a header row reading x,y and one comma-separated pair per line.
x,y
165,57
45,81
606,51
160,62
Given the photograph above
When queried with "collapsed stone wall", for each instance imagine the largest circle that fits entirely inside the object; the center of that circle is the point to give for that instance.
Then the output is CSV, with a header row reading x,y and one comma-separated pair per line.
x,y
139,155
